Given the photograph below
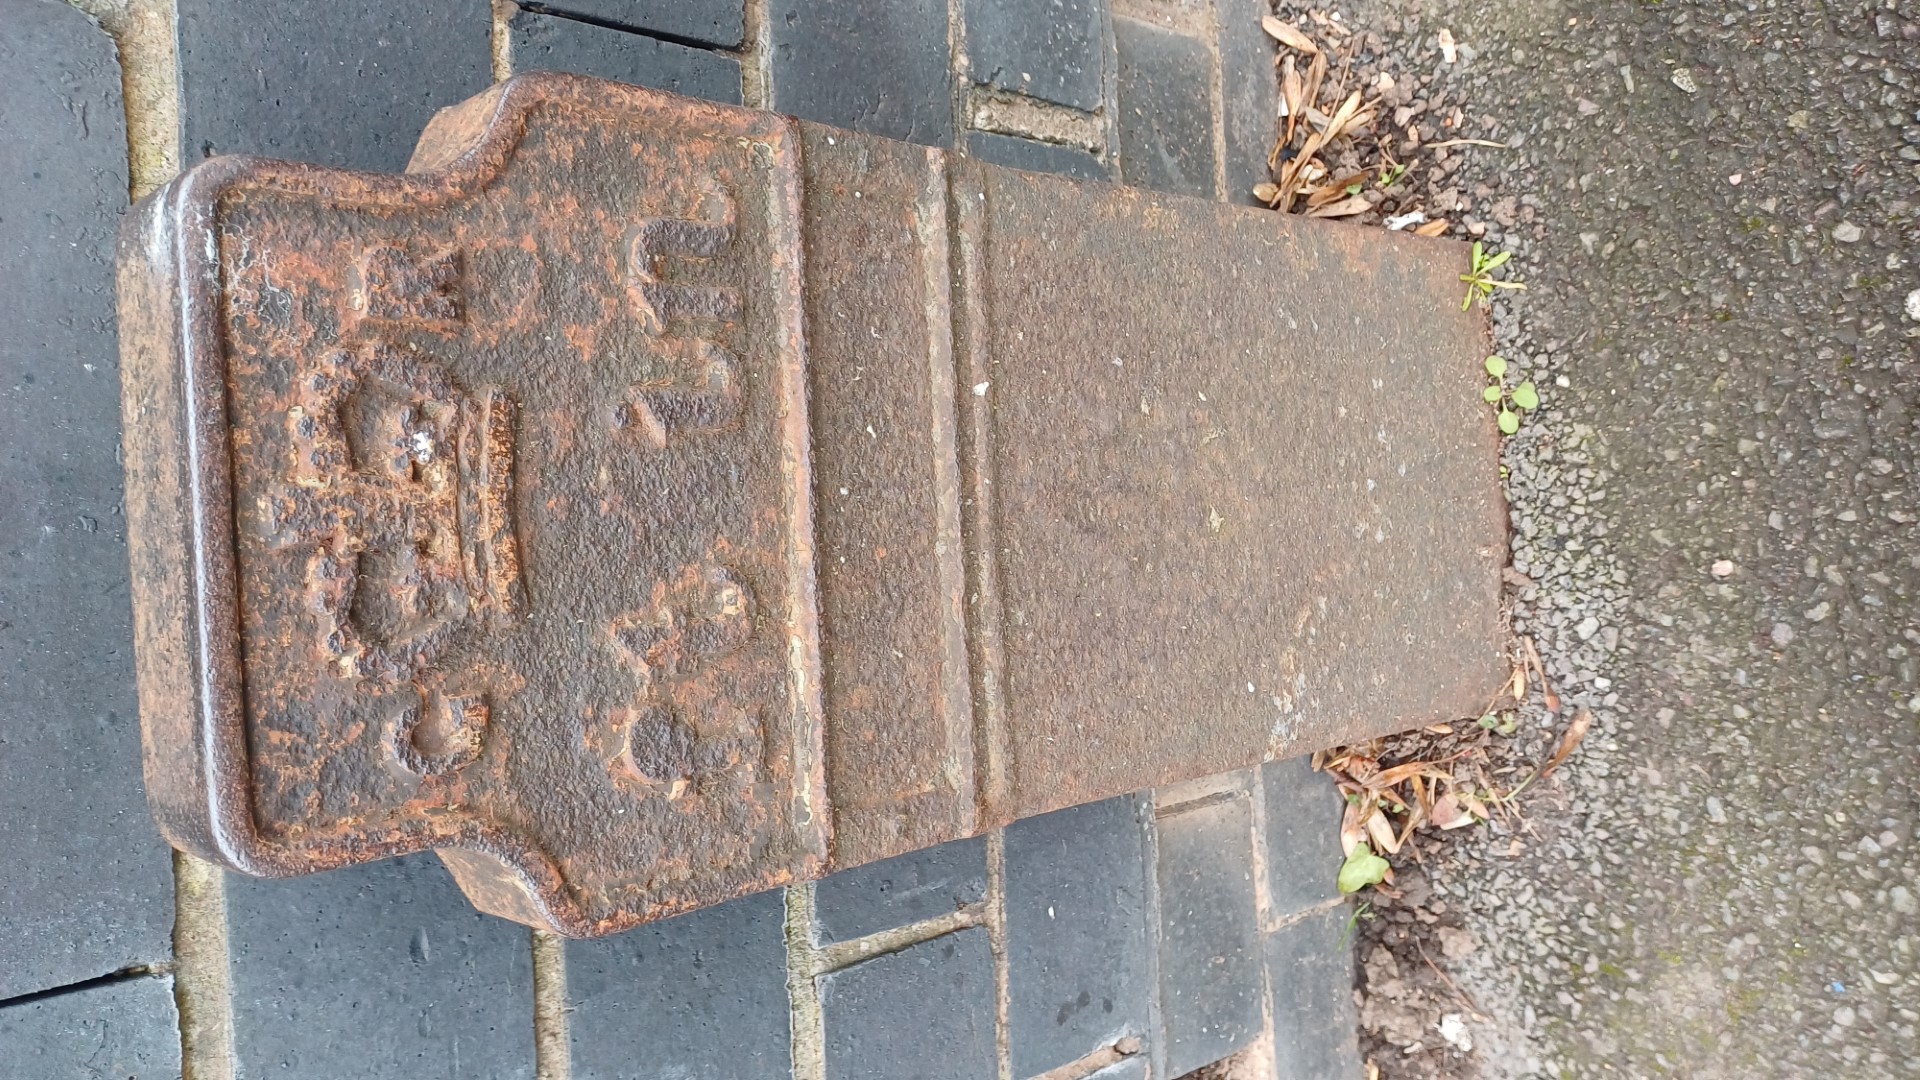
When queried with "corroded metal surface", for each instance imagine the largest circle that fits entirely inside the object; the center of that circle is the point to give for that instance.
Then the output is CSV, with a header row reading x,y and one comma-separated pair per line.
x,y
645,502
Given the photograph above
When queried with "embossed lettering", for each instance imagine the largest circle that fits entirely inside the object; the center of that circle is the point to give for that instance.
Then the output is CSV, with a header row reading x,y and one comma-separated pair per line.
x,y
398,286
660,302
684,322
707,396
681,731
439,733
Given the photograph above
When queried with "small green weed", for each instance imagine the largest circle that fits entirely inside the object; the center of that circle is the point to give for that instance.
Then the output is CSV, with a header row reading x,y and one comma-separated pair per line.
x,y
1479,277
1522,398
1504,723
1361,913
1392,176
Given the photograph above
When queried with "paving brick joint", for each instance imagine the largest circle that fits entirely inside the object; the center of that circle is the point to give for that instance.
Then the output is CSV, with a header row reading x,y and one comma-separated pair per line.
x,y
1051,943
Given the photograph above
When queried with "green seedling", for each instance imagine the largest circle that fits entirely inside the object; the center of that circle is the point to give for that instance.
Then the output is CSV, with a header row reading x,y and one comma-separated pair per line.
x,y
1479,277
1362,913
1522,398
1392,175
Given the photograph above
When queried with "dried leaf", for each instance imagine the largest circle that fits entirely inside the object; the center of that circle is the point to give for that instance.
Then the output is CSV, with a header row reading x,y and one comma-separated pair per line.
x,y
1316,75
1387,778
1468,142
1352,831
1540,672
1519,684
1391,796
1475,807
1268,193
1449,814
1381,830
1360,767
1406,834
1293,101
1449,50
1437,227
1335,190
1289,35
1440,729
1576,731
1342,117
1291,176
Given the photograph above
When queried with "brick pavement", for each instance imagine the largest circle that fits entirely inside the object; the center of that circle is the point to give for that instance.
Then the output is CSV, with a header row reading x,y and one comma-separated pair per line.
x,y
1143,936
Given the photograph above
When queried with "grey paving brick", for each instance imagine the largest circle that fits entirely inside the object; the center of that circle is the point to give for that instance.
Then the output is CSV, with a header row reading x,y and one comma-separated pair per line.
x,y
878,66
90,884
377,971
1250,95
923,1013
1165,111
1047,49
1303,836
1035,156
1210,962
1077,944
698,997
1310,966
901,890
549,43
126,1029
347,82
706,22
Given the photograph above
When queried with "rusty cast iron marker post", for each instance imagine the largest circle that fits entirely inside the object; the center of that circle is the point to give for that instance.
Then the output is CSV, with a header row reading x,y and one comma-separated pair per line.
x,y
644,502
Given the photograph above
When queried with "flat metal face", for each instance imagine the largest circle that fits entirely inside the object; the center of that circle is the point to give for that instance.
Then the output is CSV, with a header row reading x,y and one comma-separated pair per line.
x,y
644,502
1242,497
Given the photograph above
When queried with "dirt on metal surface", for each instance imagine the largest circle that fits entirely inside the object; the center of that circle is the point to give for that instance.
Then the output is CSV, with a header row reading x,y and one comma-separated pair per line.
x,y
645,502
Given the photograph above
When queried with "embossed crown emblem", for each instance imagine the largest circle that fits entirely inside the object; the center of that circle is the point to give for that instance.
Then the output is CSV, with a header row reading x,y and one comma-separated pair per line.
x,y
401,493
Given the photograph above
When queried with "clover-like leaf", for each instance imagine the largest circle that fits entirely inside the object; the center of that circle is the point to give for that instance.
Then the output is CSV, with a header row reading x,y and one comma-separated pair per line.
x,y
1525,396
1362,868
1491,395
1497,366
1509,421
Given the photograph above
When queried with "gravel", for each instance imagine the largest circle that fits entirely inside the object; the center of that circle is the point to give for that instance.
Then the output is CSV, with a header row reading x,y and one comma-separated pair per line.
x,y
1714,207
